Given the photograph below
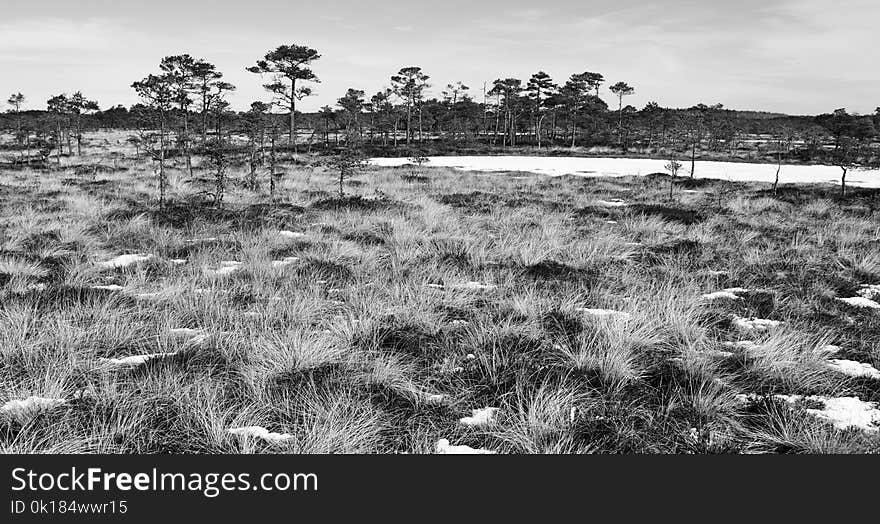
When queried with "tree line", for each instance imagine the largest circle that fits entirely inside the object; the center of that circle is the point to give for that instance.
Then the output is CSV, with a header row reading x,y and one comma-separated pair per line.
x,y
183,110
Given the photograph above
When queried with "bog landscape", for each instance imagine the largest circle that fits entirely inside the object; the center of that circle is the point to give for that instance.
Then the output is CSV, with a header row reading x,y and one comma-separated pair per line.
x,y
529,266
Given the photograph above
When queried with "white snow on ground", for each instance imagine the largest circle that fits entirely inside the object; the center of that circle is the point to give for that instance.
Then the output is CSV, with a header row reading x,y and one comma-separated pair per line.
x,y
714,353
124,260
468,286
227,267
481,417
443,447
755,324
278,264
721,295
860,302
869,291
291,234
604,313
133,360
23,410
185,332
842,412
854,369
262,433
612,203
477,286
741,344
178,261
111,287
830,350
598,167
435,398
736,290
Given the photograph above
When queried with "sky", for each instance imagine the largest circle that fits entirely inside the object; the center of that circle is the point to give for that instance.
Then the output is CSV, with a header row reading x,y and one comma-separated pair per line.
x,y
789,56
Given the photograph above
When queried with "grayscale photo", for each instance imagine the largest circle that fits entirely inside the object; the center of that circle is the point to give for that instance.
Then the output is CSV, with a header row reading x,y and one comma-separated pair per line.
x,y
607,227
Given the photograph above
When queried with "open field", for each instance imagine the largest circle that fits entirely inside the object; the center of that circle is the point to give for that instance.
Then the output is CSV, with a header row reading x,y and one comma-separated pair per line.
x,y
589,315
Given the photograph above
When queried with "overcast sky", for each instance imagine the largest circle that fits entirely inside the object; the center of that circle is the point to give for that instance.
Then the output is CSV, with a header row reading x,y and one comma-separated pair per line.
x,y
793,56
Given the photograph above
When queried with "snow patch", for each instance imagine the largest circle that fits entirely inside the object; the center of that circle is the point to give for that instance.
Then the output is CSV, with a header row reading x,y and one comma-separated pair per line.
x,y
125,260
227,267
291,234
185,332
261,433
278,264
480,417
443,447
860,302
133,360
721,295
613,203
755,324
604,313
854,369
23,410
842,412
111,287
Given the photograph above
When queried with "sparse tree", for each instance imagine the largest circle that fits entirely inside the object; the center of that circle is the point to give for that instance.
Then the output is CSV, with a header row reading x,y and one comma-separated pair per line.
x,y
288,64
352,105
538,89
621,90
157,93
79,105
409,84
205,78
59,107
15,101
783,140
348,164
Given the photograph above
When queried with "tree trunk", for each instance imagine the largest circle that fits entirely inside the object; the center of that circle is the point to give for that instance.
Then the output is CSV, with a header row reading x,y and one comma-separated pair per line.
x,y
693,157
162,181
843,183
776,180
292,135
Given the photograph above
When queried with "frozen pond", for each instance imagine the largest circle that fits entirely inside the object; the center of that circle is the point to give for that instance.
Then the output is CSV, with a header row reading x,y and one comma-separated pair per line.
x,y
592,166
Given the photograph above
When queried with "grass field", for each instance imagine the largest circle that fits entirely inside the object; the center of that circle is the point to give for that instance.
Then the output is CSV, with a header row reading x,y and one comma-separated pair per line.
x,y
378,323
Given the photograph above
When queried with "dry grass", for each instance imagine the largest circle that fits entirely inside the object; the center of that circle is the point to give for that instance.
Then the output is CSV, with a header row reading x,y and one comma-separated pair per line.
x,y
376,340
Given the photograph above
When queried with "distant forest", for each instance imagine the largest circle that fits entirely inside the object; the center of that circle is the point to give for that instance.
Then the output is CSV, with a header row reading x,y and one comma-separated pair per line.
x,y
184,104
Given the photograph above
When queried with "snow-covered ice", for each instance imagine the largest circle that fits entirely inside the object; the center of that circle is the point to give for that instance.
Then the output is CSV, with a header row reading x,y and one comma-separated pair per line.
x,y
480,417
443,447
23,410
615,167
124,260
261,433
854,369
